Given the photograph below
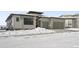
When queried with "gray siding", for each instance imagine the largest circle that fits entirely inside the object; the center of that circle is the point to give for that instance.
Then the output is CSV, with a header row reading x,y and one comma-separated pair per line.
x,y
52,23
20,23
9,24
57,23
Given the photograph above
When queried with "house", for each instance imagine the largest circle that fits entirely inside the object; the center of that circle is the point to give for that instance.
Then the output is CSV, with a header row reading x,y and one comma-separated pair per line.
x,y
52,22
23,21
32,20
71,21
35,19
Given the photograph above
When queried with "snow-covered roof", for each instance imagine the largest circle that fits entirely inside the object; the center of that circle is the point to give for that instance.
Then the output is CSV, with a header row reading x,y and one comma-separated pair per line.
x,y
22,15
72,15
40,16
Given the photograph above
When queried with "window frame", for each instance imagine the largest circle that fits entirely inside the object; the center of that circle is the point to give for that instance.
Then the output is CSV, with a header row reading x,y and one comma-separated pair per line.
x,y
27,22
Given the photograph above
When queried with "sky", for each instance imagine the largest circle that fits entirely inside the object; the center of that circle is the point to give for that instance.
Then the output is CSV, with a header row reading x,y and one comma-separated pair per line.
x,y
49,7
5,14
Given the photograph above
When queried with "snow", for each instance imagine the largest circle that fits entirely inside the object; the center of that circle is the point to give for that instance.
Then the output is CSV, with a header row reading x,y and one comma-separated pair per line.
x,y
25,32
73,29
42,30
51,40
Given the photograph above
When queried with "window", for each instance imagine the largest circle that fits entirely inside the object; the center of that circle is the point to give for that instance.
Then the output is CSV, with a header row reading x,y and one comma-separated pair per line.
x,y
17,19
28,21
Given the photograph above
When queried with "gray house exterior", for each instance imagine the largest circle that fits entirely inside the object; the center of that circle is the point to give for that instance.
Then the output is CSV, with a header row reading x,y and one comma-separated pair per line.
x,y
32,20
22,21
71,21
52,22
35,19
19,21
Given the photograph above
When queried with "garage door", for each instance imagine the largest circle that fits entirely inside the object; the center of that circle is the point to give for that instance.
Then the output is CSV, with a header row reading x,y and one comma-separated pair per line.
x,y
58,25
45,24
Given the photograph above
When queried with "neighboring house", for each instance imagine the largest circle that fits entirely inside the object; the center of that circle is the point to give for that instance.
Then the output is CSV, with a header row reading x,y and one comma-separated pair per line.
x,y
71,21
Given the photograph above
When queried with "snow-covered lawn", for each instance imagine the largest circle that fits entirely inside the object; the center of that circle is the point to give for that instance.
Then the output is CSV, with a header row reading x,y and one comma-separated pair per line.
x,y
58,40
26,32
73,29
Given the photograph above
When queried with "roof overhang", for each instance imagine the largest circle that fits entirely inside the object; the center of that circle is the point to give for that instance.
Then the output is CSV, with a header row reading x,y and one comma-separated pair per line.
x,y
19,15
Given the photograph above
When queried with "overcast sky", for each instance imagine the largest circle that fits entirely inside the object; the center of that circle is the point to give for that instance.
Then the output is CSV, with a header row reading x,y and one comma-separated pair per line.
x,y
50,7
5,14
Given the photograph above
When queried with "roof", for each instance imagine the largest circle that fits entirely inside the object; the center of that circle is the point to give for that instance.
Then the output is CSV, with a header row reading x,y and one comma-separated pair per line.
x,y
70,15
67,15
20,15
60,17
63,18
35,12
57,17
76,15
39,16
